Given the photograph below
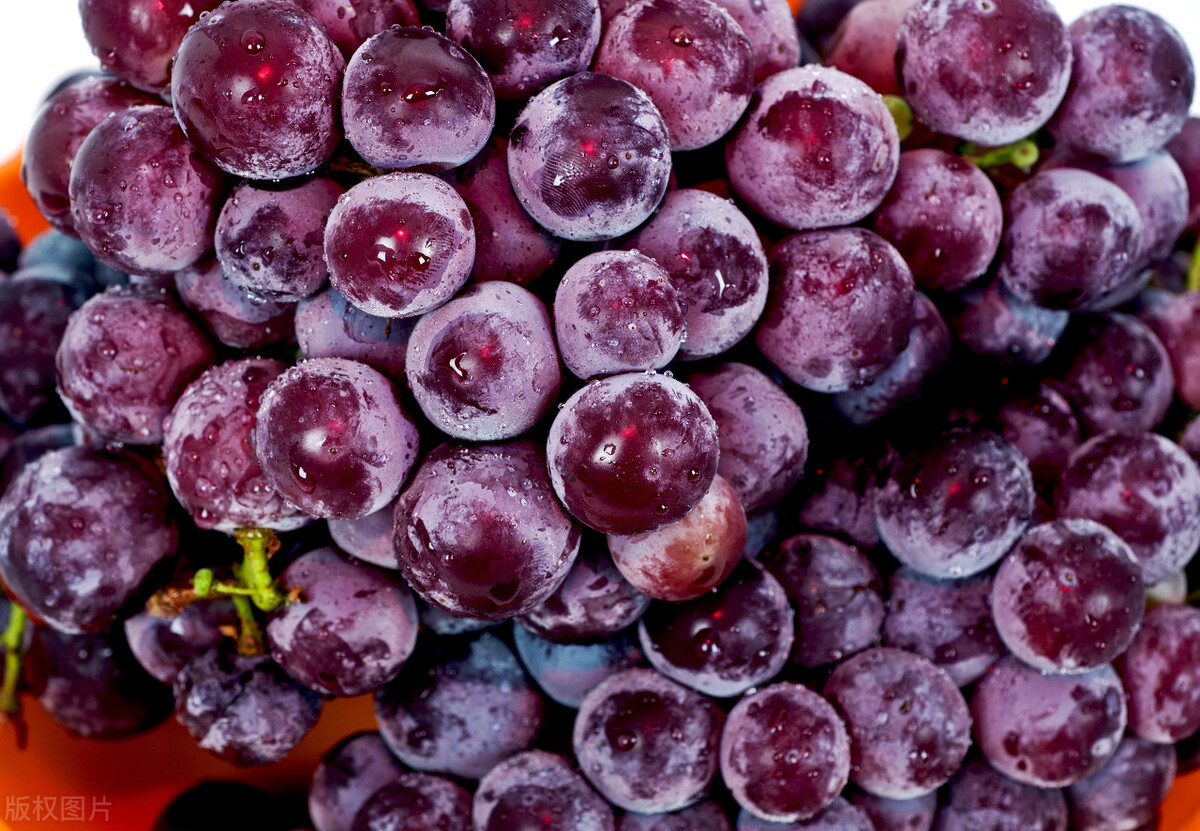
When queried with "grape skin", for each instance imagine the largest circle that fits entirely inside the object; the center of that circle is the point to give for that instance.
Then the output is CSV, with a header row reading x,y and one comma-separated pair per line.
x,y
1124,794
233,316
367,538
993,322
415,802
1175,319
1044,428
348,775
864,44
536,787
34,312
980,797
349,23
1161,673
164,645
329,326
839,816
567,672
1185,149
916,814
703,816
771,29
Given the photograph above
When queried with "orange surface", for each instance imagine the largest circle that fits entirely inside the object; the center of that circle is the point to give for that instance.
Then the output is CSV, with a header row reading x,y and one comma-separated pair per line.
x,y
16,204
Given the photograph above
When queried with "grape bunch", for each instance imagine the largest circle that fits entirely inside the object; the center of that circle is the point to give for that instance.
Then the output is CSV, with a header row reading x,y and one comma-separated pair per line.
x,y
667,415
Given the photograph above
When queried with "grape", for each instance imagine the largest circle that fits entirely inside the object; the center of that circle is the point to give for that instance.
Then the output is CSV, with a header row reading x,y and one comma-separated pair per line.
x,y
244,710
538,789
526,44
29,446
981,798
1143,487
818,149
460,708
91,684
954,507
1124,794
1018,72
56,133
479,533
1176,322
484,366
348,775
839,816
1185,149
80,531
1059,575
714,258
992,322
771,29
350,22
1048,731
438,620
60,251
235,317
943,214
725,642
1043,427
333,439
761,430
415,802
703,816
841,498
840,309
445,109
255,87
567,672
141,198
690,57
271,241
684,560
836,594
1131,85
34,311
1161,673
328,326
367,538
1072,239
646,743
399,245
606,453
916,814
164,645
864,44
785,753
589,157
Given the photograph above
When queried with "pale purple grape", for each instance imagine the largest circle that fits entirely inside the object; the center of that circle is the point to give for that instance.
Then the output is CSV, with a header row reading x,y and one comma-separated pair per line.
x,y
839,816
415,802
350,22
567,672
994,323
1044,428
1124,795
31,445
34,312
864,44
348,775
164,645
916,814
703,816
770,27
1175,319
538,789
234,317
328,326
841,494
1161,673
367,538
980,797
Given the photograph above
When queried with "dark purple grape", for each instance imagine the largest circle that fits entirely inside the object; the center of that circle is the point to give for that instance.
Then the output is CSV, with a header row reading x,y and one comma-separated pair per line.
x,y
703,816
415,802
1044,730
1185,149
818,149
244,710
91,684
255,87
234,316
839,816
589,157
785,753
10,245
916,814
350,22
646,743
606,452
992,322
538,790
713,255
460,708
399,245
34,311
948,622
567,672
327,326
484,366
1017,74
333,439
1176,322
761,430
1143,487
840,308
80,531
164,645
142,199
348,775
479,532
864,44
437,620
723,643
908,723
980,798
836,594
367,538
1131,85
526,44
1043,427
1124,795
30,445
413,99
1161,673
841,495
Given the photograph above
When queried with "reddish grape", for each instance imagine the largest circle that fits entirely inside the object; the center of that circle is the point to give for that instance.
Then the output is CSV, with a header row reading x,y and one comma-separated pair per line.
x,y
328,326
415,802
367,538
980,797
1176,322
992,322
916,814
34,312
567,672
864,44
1124,795
839,816
234,316
164,645
347,776
1161,672
770,27
538,789
1043,427
703,816
349,23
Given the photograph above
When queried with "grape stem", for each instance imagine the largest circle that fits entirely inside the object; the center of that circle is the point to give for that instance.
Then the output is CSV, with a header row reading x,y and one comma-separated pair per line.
x,y
902,114
250,639
1022,154
13,640
257,547
1193,272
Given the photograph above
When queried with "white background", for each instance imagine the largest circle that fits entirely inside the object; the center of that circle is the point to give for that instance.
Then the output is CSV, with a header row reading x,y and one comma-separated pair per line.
x,y
41,40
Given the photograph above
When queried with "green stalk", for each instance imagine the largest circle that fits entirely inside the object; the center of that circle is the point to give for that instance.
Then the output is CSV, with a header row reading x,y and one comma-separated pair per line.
x,y
13,640
1193,274
257,546
902,114
1022,154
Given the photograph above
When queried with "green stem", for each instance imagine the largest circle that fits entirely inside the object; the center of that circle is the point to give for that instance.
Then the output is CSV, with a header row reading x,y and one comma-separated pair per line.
x,y
257,545
13,640
250,639
1022,154
1193,274
902,114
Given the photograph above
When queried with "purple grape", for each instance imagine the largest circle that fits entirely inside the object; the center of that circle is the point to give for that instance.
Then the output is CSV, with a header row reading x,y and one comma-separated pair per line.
x,y
840,309
980,797
349,23
916,814
785,753
992,322
34,312
234,316
770,27
818,149
606,453
1161,673
348,775
703,816
539,790
439,621
142,199
954,507
164,645
479,533
864,44
415,802
31,445
460,708
646,743
567,672
761,430
244,710
1176,322
484,366
836,594
255,87
399,245
723,643
80,531
1072,239
1124,794
1185,149
333,439
526,44
367,538
908,723
1131,85
589,157
690,57
1043,427
327,326
271,241
1048,731
1018,72
1143,487
443,110
841,495
948,622
839,816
